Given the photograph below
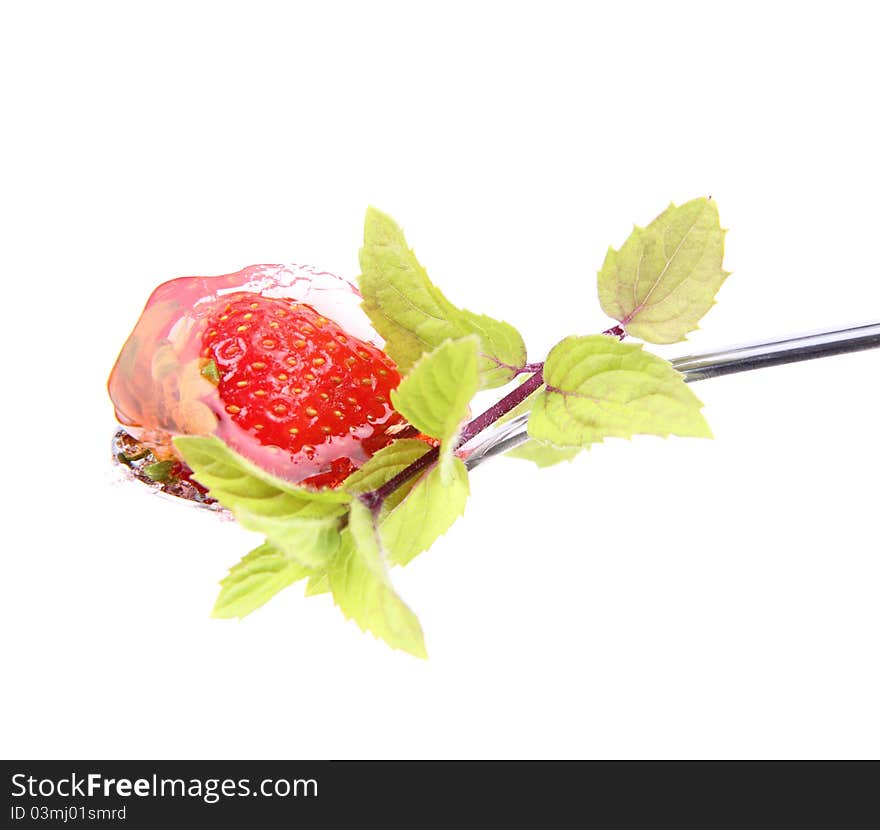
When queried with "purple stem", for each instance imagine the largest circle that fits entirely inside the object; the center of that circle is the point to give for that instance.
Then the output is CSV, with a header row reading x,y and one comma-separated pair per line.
x,y
500,409
376,498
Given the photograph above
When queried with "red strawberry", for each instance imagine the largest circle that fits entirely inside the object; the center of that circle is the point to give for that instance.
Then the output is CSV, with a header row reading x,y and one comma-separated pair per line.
x,y
301,386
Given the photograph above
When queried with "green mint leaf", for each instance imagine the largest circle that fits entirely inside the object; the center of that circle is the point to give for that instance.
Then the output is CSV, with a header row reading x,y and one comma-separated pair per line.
x,y
664,277
383,466
158,471
255,580
414,317
430,509
405,307
434,396
211,372
598,387
539,453
301,523
318,584
362,588
502,350
543,455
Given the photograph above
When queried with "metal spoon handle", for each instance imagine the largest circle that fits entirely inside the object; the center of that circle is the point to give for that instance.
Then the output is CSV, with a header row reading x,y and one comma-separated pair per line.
x,y
715,364
776,352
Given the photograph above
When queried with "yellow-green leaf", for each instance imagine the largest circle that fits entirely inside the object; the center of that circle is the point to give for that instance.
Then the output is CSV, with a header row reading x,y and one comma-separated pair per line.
x,y
664,277
362,588
434,396
302,523
414,317
386,464
318,584
255,580
598,387
541,454
430,509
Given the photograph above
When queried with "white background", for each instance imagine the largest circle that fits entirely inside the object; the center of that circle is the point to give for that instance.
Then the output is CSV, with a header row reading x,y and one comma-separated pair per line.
x,y
654,598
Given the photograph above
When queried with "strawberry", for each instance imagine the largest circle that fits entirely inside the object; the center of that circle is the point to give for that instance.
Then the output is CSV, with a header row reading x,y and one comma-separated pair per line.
x,y
298,385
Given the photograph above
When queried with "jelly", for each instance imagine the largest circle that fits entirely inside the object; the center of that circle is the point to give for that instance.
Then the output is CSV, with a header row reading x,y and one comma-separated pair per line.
x,y
161,385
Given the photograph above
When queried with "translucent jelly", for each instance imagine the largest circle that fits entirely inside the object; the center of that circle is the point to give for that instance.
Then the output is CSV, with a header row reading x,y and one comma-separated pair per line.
x,y
172,378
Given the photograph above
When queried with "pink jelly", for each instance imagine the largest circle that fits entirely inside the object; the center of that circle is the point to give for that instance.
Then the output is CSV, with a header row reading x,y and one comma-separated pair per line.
x,y
157,387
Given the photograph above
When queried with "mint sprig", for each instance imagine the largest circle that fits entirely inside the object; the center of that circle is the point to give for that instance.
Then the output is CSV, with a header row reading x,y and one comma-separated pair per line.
x,y
664,277
304,524
385,465
414,317
430,509
657,287
318,584
435,395
255,580
597,387
362,589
